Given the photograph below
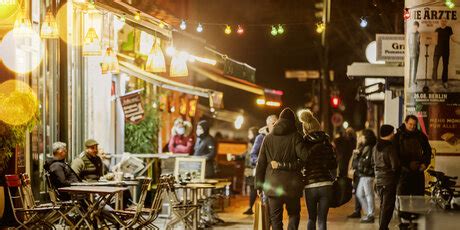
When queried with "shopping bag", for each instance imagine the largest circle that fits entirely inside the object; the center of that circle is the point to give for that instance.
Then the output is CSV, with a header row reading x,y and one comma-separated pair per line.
x,y
343,191
261,216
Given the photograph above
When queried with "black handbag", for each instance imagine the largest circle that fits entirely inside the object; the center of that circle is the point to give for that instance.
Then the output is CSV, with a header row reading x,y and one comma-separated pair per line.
x,y
343,191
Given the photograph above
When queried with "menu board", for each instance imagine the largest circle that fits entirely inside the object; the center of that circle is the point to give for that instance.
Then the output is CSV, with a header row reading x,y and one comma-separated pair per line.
x,y
190,167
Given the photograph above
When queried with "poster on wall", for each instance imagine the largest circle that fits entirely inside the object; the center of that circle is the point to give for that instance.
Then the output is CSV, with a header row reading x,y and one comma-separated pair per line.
x,y
432,72
132,108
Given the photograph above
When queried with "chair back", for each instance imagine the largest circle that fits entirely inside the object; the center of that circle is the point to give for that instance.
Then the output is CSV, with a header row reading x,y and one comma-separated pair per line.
x,y
158,198
171,190
29,199
13,183
144,190
52,192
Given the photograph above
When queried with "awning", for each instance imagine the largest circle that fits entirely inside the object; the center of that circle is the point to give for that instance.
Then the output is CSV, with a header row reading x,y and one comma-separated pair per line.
x,y
218,75
164,82
358,69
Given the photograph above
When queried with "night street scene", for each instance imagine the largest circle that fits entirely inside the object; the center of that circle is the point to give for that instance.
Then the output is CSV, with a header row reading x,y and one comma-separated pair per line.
x,y
219,114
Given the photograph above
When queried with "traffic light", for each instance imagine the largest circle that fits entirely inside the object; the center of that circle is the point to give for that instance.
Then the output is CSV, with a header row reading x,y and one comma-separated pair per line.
x,y
335,101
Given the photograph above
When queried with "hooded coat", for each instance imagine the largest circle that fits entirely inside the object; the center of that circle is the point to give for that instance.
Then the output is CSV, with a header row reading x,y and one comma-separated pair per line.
x,y
283,144
321,160
412,147
206,147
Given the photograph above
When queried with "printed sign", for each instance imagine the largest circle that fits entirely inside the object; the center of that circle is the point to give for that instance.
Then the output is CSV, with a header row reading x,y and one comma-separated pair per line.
x,y
132,108
390,47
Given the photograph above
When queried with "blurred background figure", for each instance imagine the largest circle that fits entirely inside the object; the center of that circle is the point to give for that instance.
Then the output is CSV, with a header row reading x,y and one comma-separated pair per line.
x,y
249,170
181,141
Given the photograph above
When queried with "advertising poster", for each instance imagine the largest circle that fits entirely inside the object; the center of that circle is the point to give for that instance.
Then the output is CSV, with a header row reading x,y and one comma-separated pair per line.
x,y
432,72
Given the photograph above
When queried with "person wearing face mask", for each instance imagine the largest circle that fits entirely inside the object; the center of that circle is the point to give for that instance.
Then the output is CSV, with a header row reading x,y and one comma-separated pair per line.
x,y
414,152
205,147
180,141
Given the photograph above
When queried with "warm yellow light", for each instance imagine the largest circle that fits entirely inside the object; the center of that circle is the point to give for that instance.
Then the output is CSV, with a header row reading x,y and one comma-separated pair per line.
x,y
49,28
260,101
156,59
179,65
18,102
206,60
110,62
137,16
22,25
161,25
228,30
91,46
273,103
170,51
320,27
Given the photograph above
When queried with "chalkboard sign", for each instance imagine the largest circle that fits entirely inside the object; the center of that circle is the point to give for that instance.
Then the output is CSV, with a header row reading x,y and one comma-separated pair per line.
x,y
194,167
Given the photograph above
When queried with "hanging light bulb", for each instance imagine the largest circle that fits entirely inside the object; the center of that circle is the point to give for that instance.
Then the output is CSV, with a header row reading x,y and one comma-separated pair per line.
x,y
110,62
228,30
406,14
161,25
156,59
320,27
199,28
49,28
280,29
450,4
240,30
363,22
137,15
274,31
91,46
123,18
22,25
179,65
183,25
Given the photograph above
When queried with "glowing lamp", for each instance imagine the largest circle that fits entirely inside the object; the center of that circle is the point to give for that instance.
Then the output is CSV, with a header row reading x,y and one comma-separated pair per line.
x,y
156,60
274,31
110,62
49,28
240,30
179,65
228,30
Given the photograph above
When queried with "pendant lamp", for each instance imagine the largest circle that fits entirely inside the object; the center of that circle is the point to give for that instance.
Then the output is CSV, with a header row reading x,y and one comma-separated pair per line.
x,y
179,65
22,25
49,28
156,59
110,62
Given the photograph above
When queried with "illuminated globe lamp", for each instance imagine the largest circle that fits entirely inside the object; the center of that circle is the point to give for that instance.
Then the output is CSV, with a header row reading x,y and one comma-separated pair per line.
x,y
228,30
280,29
91,46
179,65
49,28
406,14
274,31
240,30
110,62
156,59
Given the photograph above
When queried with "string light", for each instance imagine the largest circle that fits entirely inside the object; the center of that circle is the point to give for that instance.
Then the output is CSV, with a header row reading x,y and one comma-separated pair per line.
x,y
137,16
228,30
320,27
280,29
240,30
363,22
161,25
183,25
199,28
406,14
450,4
274,31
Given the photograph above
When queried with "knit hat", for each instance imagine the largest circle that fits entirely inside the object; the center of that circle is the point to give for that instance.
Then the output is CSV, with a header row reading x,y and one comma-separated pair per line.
x,y
288,114
386,130
309,122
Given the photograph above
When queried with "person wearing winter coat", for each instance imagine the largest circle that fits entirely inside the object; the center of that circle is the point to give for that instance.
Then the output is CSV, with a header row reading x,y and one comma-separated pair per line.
x,y
264,131
282,187
89,165
205,147
318,165
249,170
414,151
181,141
387,168
365,189
61,174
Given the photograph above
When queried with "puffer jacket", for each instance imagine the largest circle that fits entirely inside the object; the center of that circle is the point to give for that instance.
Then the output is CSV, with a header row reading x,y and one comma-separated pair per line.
x,y
412,147
387,164
283,144
366,162
321,160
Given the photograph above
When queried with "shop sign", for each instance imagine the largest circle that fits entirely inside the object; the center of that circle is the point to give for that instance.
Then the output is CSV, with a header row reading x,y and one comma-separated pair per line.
x,y
132,108
390,47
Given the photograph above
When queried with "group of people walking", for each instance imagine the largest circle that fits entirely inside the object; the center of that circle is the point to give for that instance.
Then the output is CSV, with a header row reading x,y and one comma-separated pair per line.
x,y
289,164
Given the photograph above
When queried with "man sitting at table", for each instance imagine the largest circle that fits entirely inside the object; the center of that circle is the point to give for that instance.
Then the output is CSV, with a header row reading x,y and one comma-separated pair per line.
x,y
89,165
61,174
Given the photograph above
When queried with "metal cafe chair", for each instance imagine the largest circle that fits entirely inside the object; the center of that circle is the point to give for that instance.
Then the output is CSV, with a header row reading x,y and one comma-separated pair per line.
x,y
154,210
27,217
183,210
131,216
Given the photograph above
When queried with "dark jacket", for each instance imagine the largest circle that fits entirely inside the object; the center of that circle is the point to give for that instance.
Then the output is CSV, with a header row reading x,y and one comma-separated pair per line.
x,y
344,150
89,168
257,144
387,164
205,146
61,175
412,147
321,158
366,162
283,144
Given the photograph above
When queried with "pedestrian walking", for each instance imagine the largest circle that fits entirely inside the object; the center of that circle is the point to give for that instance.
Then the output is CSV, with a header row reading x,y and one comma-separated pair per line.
x,y
249,171
387,168
365,189
414,152
283,187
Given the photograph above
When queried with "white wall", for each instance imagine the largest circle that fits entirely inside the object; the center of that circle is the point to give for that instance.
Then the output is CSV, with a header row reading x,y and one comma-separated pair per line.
x,y
392,108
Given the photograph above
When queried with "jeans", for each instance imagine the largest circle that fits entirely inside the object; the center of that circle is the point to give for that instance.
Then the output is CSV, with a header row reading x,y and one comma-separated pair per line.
x,y
355,187
387,196
365,194
318,201
276,212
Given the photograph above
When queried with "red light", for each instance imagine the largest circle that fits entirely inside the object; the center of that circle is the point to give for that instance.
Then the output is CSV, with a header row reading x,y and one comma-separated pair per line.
x,y
406,14
335,101
240,30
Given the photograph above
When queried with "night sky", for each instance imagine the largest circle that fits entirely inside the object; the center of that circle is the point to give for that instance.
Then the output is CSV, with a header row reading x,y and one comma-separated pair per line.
x,y
299,47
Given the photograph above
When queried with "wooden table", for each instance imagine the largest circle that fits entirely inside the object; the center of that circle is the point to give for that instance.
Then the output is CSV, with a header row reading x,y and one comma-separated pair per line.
x,y
104,194
195,188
